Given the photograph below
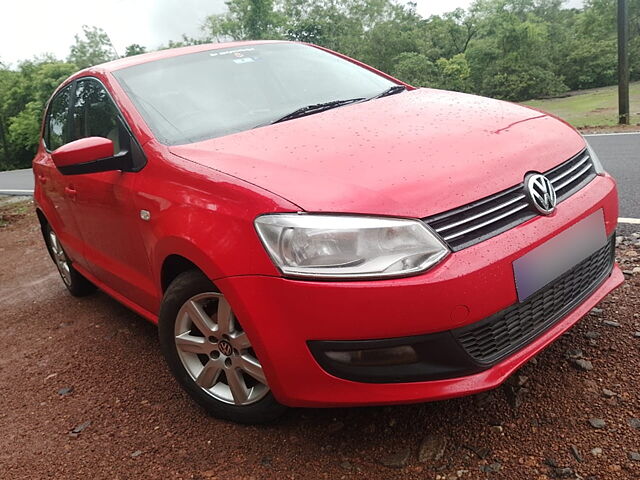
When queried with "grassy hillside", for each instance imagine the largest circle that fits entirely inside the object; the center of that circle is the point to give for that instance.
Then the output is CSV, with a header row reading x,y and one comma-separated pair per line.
x,y
588,108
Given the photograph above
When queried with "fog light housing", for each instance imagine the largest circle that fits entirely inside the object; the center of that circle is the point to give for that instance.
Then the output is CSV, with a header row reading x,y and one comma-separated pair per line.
x,y
400,355
418,358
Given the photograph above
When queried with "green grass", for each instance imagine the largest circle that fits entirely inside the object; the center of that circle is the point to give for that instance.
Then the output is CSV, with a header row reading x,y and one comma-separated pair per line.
x,y
591,108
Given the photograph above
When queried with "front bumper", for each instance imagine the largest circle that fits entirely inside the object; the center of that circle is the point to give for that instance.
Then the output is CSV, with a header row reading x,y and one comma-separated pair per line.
x,y
282,316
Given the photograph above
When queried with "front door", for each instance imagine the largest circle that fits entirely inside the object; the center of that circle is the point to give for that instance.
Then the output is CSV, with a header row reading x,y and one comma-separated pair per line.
x,y
105,212
58,190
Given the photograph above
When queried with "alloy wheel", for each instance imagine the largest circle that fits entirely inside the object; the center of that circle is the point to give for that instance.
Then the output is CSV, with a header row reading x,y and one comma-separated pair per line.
x,y
216,352
60,258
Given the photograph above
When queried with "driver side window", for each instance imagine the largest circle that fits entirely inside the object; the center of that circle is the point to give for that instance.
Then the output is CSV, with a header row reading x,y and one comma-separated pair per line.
x,y
94,114
57,123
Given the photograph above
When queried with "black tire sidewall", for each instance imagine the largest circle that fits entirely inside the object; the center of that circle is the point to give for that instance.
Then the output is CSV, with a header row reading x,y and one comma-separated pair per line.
x,y
183,287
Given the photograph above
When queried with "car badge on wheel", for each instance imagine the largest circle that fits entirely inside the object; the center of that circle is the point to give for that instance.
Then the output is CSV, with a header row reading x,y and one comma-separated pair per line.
x,y
541,193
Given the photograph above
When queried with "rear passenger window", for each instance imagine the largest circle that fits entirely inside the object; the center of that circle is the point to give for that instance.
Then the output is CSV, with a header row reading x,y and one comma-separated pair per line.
x,y
94,113
57,125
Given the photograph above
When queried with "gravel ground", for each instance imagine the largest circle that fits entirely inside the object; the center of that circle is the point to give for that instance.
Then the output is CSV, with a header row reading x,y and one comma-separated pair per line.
x,y
85,393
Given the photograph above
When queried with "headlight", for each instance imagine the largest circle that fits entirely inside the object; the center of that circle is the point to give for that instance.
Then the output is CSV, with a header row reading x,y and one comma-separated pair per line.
x,y
347,246
597,165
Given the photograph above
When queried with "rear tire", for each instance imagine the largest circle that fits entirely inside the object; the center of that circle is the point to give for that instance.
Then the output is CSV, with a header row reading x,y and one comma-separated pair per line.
x,y
77,285
210,355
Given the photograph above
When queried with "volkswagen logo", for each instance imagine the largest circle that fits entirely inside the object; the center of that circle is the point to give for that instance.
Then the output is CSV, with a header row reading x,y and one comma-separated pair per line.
x,y
541,193
225,348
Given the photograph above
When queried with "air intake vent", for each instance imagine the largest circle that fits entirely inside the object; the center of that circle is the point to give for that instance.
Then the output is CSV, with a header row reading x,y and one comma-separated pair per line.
x,y
492,339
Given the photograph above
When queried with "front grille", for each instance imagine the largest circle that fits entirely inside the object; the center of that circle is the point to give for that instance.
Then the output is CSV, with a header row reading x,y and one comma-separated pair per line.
x,y
496,337
470,224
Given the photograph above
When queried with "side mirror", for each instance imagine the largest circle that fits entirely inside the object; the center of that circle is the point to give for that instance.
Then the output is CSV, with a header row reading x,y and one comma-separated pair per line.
x,y
89,155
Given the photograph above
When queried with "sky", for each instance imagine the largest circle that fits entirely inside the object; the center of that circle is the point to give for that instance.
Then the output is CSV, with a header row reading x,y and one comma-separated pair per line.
x,y
35,27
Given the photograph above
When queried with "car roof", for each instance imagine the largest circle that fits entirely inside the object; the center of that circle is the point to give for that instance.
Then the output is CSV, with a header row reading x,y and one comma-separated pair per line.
x,y
168,53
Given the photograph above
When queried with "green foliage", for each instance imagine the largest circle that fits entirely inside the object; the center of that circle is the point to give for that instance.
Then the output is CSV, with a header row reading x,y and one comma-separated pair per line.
x,y
454,73
447,74
516,81
634,59
91,48
134,49
184,42
245,20
339,25
23,95
511,49
24,128
590,64
416,69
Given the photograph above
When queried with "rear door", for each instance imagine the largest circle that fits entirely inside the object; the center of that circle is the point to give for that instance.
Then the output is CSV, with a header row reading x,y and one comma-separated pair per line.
x,y
106,214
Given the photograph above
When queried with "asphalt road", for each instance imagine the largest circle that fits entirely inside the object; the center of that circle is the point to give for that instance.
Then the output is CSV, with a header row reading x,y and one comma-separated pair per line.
x,y
620,154
16,182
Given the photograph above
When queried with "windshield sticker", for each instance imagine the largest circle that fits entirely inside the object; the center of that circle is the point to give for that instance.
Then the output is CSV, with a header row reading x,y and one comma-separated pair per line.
x,y
237,52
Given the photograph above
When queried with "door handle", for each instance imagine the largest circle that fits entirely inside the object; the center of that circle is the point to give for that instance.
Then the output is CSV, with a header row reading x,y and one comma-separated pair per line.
x,y
71,192
42,178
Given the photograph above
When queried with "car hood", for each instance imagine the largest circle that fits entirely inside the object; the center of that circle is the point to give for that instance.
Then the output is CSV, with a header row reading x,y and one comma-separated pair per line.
x,y
412,154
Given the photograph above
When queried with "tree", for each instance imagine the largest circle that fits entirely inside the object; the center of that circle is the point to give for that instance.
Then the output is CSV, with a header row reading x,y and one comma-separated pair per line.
x,y
388,38
23,95
92,48
343,25
7,80
134,49
339,25
448,74
513,55
416,69
454,73
185,42
245,20
590,64
448,35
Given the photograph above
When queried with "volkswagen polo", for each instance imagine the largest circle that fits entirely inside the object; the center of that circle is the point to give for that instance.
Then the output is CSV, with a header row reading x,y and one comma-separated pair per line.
x,y
308,231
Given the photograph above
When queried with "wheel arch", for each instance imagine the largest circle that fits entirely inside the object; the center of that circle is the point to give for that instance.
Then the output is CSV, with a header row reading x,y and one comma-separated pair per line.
x,y
177,255
172,266
42,220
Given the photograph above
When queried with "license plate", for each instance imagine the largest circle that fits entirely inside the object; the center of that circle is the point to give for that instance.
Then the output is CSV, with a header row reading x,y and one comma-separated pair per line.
x,y
545,263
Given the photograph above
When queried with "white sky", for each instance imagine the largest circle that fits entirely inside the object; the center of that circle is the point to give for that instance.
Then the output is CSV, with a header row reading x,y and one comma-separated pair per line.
x,y
35,27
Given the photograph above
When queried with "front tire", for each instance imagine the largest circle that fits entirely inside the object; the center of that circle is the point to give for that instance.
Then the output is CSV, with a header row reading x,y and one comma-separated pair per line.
x,y
210,355
77,285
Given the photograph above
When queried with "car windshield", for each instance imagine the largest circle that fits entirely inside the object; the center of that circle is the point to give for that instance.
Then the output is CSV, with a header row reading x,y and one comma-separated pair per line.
x,y
209,94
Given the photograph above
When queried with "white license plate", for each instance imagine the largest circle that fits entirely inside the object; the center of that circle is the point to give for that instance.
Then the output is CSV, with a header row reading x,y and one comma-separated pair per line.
x,y
545,263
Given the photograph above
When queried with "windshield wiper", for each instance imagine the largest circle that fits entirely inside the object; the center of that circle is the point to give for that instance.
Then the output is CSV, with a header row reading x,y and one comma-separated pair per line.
x,y
389,91
321,107
316,108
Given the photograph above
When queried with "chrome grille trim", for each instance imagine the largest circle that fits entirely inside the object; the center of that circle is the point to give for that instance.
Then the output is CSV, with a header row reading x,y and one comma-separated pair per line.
x,y
488,222
571,179
469,224
574,167
482,214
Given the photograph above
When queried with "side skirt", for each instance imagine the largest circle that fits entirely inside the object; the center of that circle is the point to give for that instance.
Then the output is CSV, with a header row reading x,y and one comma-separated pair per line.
x,y
116,296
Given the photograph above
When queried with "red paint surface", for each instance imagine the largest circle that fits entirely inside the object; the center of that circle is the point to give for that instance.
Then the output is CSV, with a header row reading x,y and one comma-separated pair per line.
x,y
414,154
83,150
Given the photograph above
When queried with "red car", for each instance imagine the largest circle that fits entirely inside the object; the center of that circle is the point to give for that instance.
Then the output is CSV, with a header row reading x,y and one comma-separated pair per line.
x,y
308,231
